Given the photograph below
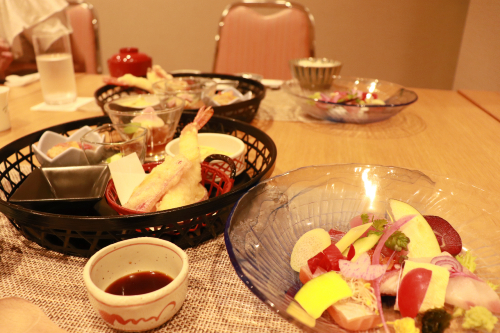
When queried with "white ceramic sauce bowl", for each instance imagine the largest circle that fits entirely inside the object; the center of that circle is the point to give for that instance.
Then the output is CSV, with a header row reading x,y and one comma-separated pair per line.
x,y
139,312
232,145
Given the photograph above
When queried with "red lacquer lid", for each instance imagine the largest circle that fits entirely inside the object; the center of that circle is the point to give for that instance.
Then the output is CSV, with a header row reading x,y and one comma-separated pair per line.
x,y
129,60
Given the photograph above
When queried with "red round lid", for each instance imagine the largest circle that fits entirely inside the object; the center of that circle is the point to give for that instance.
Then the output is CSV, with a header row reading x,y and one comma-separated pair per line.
x,y
129,61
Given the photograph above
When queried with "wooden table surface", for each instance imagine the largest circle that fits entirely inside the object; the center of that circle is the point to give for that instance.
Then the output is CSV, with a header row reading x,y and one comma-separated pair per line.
x,y
443,133
488,101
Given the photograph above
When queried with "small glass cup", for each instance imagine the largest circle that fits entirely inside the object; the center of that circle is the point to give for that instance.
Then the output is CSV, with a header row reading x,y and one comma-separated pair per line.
x,y
118,141
161,121
55,65
196,91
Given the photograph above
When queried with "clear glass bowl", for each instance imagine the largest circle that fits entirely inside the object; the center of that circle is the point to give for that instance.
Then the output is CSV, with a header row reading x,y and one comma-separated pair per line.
x,y
161,121
268,220
396,98
196,91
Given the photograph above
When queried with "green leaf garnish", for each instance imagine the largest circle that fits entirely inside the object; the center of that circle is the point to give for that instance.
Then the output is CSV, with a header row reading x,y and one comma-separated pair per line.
x,y
397,241
379,224
131,128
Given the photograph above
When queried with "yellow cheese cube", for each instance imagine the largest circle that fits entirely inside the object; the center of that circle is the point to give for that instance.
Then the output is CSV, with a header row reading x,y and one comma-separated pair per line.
x,y
436,292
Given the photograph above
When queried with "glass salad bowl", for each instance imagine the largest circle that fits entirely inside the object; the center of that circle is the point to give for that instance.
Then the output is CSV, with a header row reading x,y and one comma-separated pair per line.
x,y
352,99
268,220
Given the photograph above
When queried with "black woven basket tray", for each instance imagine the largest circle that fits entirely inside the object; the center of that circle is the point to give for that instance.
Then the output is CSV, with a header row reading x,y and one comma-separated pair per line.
x,y
244,111
84,232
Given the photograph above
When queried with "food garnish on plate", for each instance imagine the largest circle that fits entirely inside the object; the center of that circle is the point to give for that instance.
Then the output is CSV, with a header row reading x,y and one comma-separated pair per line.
x,y
154,74
62,147
417,259
175,182
353,97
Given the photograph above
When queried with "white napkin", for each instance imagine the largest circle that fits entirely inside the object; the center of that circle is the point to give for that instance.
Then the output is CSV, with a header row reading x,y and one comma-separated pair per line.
x,y
70,107
18,81
18,17
272,84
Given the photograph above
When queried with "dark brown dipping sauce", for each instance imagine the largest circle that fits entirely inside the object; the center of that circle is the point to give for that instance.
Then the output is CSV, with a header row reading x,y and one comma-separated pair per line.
x,y
139,283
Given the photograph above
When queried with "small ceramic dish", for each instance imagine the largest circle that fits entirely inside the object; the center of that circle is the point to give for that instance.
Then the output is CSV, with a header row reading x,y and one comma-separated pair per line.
x,y
76,186
215,143
140,312
70,157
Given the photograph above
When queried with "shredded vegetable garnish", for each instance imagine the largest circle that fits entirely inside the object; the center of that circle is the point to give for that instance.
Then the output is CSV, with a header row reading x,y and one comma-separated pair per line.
x,y
362,293
480,318
492,286
405,325
467,260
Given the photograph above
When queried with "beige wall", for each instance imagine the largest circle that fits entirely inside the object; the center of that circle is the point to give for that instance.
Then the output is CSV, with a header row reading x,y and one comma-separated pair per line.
x,y
415,42
479,60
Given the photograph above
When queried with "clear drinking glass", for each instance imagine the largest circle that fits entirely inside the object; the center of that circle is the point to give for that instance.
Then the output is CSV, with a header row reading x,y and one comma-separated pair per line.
x,y
55,65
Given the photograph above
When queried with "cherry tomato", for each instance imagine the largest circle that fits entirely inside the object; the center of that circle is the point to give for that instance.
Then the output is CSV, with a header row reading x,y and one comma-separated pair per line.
x,y
412,291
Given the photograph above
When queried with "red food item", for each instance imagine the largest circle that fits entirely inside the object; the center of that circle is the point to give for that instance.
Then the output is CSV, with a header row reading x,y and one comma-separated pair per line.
x,y
412,291
305,273
351,253
327,260
385,255
336,235
448,238
314,262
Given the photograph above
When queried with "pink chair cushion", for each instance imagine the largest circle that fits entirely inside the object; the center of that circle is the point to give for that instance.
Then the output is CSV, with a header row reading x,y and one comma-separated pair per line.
x,y
83,39
262,44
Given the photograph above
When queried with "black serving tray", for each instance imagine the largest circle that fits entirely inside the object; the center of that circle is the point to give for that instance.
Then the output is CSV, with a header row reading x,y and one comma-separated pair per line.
x,y
244,111
83,233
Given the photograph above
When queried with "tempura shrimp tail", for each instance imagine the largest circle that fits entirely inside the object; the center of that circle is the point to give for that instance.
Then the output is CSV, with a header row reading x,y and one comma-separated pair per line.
x,y
188,141
202,117
157,183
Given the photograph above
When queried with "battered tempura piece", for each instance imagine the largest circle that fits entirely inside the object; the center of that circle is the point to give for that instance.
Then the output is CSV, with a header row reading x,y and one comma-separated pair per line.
x,y
189,190
157,183
154,74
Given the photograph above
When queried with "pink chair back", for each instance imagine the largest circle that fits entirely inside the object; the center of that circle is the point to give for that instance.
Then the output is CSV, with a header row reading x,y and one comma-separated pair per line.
x,y
84,40
250,42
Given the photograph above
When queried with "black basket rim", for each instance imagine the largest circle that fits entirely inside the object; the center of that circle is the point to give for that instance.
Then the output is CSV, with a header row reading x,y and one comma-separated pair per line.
x,y
146,219
258,97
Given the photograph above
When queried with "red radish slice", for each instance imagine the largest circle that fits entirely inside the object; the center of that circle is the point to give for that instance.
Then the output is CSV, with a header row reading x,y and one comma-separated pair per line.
x,y
448,238
362,268
412,291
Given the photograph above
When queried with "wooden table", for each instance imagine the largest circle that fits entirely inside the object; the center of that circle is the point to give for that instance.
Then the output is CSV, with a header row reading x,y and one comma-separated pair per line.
x,y
488,101
442,133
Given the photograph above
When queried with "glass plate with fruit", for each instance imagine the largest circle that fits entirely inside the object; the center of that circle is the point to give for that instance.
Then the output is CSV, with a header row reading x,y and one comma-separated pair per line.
x,y
331,248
